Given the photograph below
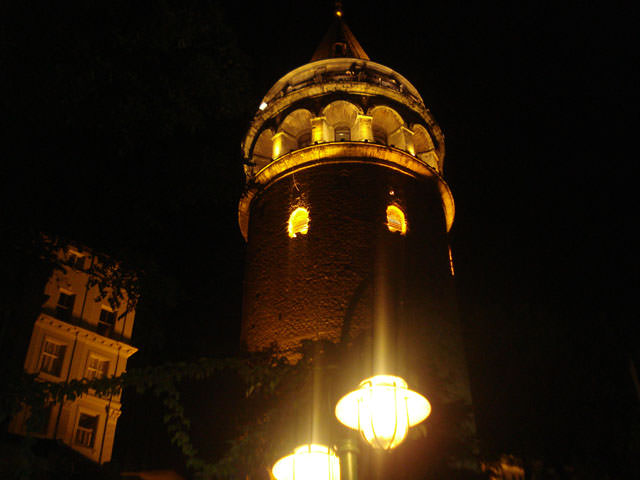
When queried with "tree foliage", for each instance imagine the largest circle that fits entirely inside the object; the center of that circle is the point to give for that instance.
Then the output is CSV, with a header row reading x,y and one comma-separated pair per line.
x,y
262,374
275,412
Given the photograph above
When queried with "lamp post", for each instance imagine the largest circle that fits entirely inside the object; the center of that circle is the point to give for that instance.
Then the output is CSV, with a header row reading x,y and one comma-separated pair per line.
x,y
382,409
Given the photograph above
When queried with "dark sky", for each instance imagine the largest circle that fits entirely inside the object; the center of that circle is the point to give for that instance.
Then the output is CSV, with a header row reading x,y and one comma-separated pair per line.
x,y
538,103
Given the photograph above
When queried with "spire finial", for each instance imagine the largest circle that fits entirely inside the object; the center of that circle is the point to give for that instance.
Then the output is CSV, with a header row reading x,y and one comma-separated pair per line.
x,y
339,42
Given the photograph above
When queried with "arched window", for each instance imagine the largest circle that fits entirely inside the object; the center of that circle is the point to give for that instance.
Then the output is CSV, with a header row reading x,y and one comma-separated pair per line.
x,y
387,125
341,117
293,133
396,221
342,134
298,222
379,136
263,150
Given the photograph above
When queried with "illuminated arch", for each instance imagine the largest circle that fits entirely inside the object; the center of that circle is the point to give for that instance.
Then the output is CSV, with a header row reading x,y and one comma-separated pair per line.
x,y
298,222
294,132
387,125
424,146
296,122
263,149
341,117
421,139
396,220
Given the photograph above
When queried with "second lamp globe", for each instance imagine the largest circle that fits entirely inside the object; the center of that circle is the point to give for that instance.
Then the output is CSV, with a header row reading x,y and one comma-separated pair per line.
x,y
382,409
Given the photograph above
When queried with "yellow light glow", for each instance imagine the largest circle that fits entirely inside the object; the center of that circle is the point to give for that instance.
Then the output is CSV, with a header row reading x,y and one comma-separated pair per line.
x,y
382,409
396,221
298,222
451,262
308,462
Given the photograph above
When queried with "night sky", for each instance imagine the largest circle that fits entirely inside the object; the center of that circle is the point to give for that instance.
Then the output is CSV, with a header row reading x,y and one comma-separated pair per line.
x,y
124,124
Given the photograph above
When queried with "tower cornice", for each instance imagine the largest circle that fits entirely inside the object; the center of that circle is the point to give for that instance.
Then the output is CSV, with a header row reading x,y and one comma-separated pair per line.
x,y
343,153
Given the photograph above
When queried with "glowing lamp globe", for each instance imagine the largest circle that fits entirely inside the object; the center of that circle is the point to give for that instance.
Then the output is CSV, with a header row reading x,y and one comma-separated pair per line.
x,y
308,462
382,409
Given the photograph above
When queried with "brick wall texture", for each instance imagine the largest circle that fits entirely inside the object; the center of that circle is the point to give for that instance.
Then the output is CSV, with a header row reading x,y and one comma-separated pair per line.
x,y
349,275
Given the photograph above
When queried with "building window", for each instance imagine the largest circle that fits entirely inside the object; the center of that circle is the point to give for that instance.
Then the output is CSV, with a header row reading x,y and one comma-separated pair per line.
x,y
77,261
106,322
96,368
52,357
396,221
64,309
298,222
342,134
86,430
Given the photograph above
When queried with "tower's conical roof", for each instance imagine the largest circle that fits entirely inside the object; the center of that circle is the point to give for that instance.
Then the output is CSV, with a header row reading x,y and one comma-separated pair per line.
x,y
338,42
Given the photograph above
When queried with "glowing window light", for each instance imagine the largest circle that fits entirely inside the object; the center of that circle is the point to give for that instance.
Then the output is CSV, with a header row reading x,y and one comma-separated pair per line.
x,y
453,273
298,222
396,221
308,462
382,409
342,134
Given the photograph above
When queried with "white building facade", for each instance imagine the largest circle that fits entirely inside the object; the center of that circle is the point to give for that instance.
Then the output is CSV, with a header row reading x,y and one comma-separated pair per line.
x,y
79,334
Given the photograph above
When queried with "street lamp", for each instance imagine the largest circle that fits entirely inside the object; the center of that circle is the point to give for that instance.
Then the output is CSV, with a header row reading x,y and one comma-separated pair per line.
x,y
382,409
308,462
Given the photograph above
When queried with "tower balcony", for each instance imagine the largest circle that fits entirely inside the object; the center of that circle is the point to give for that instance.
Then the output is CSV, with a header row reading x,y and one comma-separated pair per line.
x,y
341,99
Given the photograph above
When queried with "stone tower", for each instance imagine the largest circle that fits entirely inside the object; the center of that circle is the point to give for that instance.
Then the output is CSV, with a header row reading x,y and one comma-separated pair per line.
x,y
346,215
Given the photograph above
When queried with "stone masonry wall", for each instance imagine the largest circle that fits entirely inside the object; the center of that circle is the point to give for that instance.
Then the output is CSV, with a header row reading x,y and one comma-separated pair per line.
x,y
325,284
